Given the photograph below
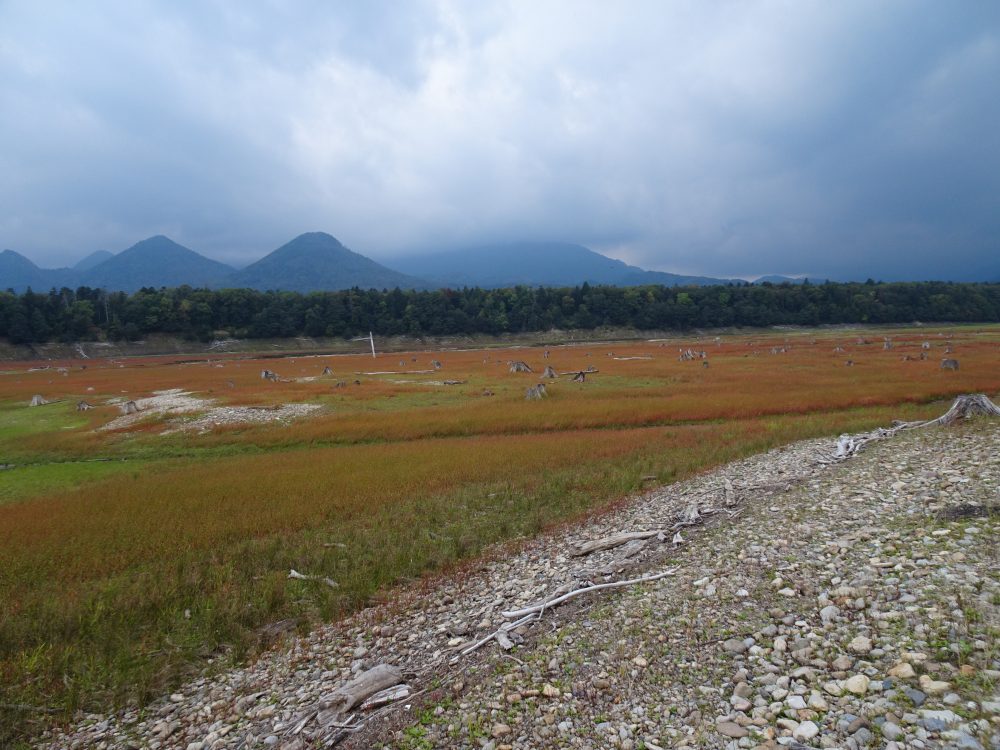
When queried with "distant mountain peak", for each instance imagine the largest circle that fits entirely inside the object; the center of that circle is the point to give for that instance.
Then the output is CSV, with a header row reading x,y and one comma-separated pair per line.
x,y
12,256
318,236
313,241
156,243
18,272
317,261
156,261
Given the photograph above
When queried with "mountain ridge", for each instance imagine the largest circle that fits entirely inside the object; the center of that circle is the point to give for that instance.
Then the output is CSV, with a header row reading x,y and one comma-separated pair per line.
x,y
539,264
156,261
316,261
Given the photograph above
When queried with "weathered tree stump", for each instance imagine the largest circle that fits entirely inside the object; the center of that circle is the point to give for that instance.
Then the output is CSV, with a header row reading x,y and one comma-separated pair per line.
x,y
536,392
969,405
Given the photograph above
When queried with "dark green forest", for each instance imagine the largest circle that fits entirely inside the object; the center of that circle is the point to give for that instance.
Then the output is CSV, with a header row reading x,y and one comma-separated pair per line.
x,y
202,314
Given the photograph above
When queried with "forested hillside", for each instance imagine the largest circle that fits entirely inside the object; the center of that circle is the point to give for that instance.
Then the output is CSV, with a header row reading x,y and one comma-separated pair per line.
x,y
86,314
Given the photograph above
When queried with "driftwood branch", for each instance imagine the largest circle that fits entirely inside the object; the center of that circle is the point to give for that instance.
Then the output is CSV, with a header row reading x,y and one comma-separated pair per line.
x,y
613,541
384,697
296,575
542,606
969,405
499,634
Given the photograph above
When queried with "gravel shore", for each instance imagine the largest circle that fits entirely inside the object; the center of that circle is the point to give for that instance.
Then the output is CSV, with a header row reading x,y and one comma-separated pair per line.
x,y
847,606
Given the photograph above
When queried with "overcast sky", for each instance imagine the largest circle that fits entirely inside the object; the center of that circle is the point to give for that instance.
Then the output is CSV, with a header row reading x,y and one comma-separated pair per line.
x,y
840,139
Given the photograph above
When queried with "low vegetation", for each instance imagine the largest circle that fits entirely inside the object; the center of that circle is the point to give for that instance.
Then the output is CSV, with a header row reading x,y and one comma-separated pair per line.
x,y
131,558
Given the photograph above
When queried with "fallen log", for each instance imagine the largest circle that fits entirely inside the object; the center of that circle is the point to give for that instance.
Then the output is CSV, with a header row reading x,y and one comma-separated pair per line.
x,y
610,542
365,685
385,697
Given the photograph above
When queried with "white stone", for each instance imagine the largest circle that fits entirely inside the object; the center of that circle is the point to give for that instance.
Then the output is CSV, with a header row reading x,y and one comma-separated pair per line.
x,y
805,731
860,645
858,684
796,701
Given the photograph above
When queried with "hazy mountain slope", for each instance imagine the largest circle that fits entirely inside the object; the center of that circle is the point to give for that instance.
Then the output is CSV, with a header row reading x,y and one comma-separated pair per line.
x,y
779,279
157,261
535,264
94,259
316,261
19,273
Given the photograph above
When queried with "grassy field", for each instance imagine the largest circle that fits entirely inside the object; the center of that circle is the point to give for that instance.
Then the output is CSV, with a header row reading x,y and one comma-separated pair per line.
x,y
130,556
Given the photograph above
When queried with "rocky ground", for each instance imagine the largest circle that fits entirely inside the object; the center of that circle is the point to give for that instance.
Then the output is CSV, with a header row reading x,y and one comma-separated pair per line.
x,y
178,405
846,606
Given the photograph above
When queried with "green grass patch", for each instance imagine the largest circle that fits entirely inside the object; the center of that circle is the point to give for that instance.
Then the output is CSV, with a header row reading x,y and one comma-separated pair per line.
x,y
23,482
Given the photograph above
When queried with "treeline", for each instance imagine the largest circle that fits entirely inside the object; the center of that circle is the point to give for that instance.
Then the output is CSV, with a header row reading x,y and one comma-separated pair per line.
x,y
202,314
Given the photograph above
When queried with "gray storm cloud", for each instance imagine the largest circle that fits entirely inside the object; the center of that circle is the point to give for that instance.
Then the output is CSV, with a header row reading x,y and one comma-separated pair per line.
x,y
847,140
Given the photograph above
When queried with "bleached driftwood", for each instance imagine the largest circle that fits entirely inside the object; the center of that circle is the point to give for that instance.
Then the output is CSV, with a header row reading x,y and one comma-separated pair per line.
x,y
691,514
631,549
729,490
355,692
38,400
610,542
296,575
499,635
385,697
542,606
969,405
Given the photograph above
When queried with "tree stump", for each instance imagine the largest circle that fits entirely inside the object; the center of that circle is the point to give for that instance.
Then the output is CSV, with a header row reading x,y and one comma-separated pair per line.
x,y
969,405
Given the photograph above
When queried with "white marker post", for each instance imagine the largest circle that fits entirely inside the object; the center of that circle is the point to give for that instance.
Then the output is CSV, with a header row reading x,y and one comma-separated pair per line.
x,y
370,338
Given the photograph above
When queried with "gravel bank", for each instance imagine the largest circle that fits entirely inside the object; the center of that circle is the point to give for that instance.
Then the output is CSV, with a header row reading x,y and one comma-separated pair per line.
x,y
846,606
